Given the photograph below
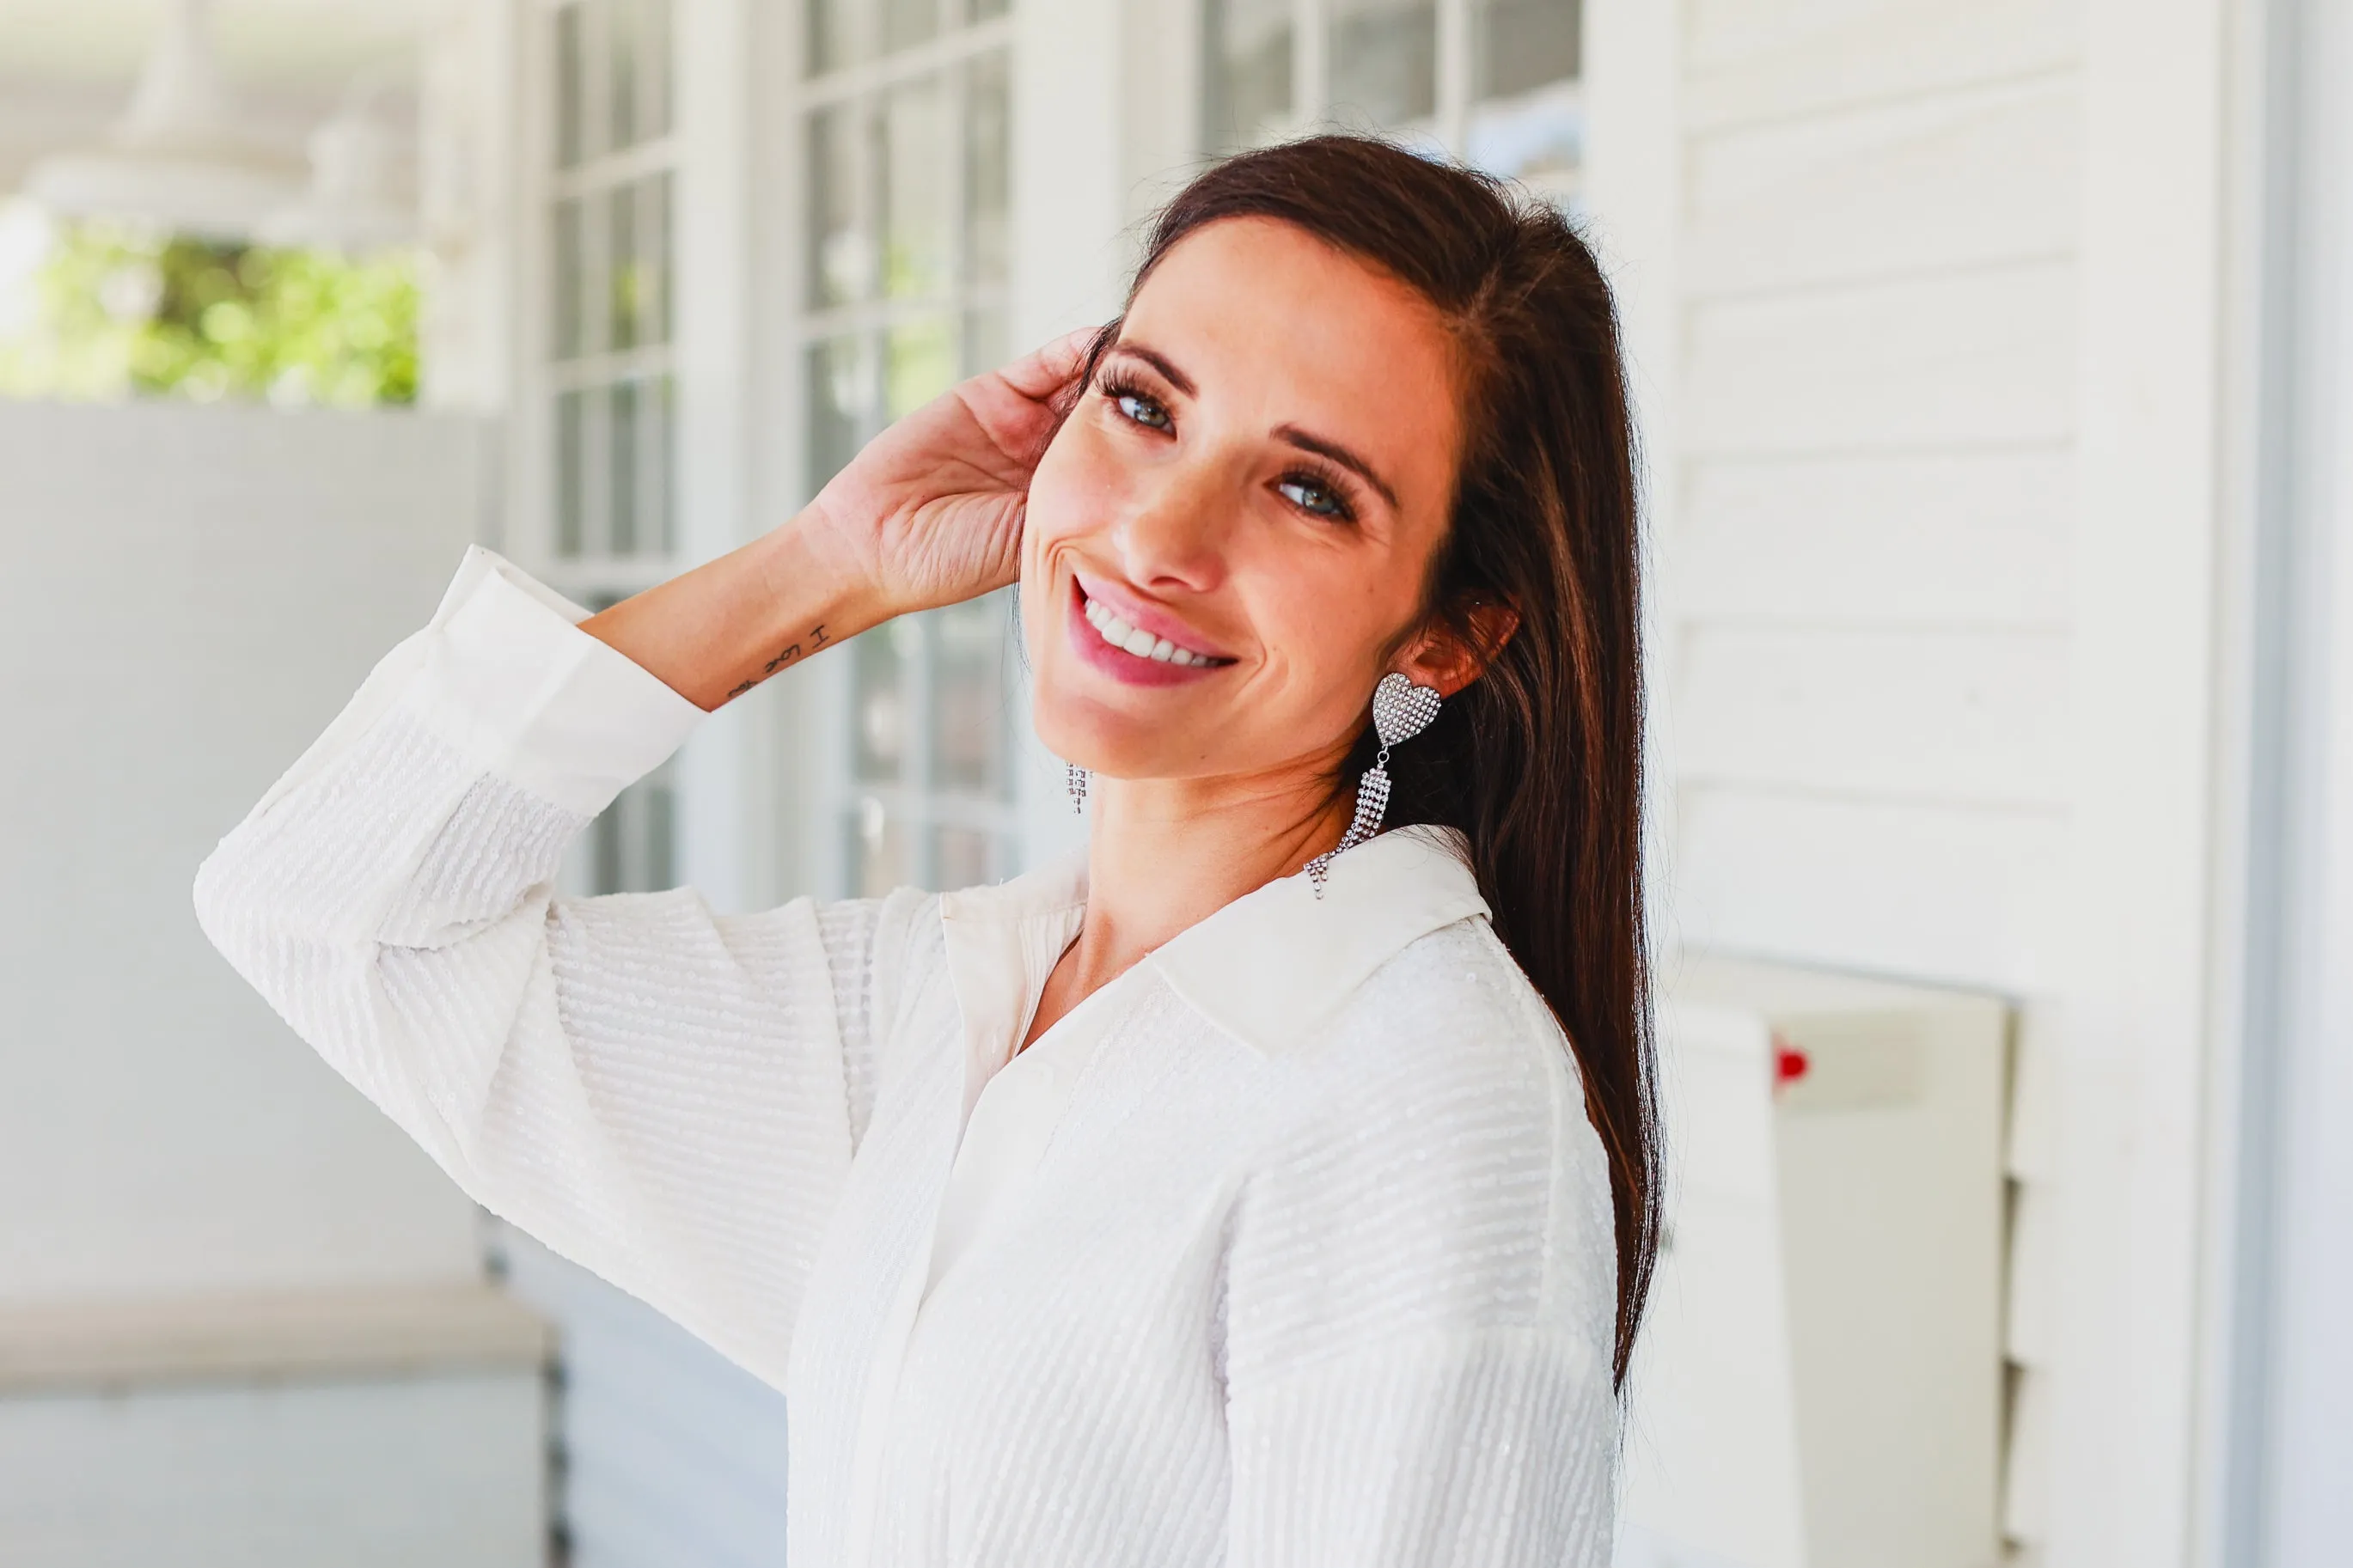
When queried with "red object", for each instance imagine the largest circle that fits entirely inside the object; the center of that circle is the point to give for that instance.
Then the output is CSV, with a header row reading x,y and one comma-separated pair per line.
x,y
1789,1063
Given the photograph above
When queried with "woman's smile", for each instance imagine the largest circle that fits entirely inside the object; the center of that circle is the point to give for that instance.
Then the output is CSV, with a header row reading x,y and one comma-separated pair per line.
x,y
1134,642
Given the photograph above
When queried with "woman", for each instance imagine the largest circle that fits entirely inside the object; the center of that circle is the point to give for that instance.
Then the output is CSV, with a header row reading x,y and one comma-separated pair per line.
x,y
1264,1189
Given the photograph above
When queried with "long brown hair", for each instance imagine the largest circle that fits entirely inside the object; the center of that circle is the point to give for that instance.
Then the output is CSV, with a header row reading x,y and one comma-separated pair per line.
x,y
1538,762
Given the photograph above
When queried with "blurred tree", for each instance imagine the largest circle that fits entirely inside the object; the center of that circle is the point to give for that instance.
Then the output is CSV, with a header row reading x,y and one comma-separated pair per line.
x,y
119,312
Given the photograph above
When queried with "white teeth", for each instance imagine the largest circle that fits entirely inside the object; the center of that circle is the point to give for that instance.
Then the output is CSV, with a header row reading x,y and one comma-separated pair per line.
x,y
1135,640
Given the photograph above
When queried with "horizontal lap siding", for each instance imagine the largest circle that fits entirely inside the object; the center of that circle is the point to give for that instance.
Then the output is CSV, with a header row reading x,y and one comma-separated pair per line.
x,y
1940,362
1952,717
1876,413
1866,575
1934,892
1972,538
1746,62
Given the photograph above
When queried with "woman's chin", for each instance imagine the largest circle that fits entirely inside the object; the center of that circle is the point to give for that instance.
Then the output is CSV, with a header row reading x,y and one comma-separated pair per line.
x,y
1106,736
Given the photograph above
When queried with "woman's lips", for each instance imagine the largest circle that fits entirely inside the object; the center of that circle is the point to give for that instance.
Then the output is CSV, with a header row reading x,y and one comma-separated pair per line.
x,y
1112,643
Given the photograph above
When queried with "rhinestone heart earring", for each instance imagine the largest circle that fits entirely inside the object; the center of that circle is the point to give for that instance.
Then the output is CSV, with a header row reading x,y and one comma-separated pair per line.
x,y
1401,709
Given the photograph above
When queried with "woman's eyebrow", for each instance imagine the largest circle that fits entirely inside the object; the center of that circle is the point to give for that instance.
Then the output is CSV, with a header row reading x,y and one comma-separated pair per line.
x,y
1347,459
1159,361
1323,446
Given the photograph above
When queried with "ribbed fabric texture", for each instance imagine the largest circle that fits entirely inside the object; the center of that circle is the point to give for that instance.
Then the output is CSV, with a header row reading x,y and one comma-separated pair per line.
x,y
1347,1300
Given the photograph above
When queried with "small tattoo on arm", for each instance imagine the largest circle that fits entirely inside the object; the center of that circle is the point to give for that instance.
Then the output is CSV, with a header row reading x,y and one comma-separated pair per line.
x,y
818,638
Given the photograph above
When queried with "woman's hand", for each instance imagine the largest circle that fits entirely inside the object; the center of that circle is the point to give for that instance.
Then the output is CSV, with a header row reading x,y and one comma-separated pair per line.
x,y
930,513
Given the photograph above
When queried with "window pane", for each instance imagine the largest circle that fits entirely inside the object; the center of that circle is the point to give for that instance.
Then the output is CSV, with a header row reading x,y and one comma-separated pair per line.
x,y
621,486
607,851
633,847
840,260
1247,71
969,745
571,72
833,39
921,358
915,170
880,662
636,230
987,340
878,851
624,67
641,68
570,263
1384,60
623,268
963,857
571,444
908,22
1518,45
1538,140
657,472
987,159
654,308
841,395
661,840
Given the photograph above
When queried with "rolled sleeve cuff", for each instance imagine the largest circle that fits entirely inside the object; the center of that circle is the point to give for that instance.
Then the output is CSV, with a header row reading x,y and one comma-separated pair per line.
x,y
507,676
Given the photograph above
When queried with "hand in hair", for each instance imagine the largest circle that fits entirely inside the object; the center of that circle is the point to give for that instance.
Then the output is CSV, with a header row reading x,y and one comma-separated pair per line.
x,y
930,511
929,514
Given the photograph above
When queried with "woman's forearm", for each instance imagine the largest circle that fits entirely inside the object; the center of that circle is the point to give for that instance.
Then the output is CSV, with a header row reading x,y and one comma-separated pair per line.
x,y
714,633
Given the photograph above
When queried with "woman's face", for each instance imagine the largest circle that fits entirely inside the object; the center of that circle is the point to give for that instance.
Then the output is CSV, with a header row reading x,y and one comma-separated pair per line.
x,y
1227,538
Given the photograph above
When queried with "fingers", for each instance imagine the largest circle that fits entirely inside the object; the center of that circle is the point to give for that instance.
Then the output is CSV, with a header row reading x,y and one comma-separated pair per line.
x,y
1045,372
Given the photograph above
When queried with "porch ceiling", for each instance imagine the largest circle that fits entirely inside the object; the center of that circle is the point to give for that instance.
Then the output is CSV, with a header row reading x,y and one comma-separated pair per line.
x,y
296,47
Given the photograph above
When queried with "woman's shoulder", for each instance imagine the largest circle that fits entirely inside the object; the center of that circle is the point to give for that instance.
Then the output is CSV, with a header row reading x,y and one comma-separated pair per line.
x,y
1449,1047
1452,1003
1439,1111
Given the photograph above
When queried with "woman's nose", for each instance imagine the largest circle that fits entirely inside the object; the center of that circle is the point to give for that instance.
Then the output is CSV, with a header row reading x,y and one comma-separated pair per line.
x,y
1174,531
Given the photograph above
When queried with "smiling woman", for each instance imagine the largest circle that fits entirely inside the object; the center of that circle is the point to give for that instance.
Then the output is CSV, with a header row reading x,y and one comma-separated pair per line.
x,y
1258,1188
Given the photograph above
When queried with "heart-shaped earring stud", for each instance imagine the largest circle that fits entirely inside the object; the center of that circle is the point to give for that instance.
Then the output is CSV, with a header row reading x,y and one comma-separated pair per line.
x,y
1401,709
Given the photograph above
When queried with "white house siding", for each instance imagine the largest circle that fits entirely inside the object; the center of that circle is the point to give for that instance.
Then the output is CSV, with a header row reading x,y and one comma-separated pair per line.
x,y
1869,395
189,595
162,1133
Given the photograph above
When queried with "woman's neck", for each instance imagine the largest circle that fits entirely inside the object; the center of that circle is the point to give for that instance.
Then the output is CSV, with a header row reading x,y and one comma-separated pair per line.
x,y
1164,853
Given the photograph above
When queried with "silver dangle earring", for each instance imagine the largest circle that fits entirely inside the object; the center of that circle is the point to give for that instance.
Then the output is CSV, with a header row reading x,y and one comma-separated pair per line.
x,y
1074,779
1401,709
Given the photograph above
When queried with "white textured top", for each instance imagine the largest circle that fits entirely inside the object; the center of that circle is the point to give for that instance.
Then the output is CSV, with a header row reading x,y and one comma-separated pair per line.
x,y
1290,1249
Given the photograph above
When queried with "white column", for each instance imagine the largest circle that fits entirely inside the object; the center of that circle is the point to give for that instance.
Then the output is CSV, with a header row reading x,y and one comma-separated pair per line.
x,y
720,788
1633,186
2306,1503
2136,990
1069,257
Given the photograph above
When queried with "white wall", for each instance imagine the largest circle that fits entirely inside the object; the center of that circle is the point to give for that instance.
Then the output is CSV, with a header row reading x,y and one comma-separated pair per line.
x,y
1925,300
443,1469
190,594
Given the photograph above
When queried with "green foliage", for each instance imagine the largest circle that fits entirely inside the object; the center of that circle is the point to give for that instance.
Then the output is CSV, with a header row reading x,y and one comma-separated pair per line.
x,y
121,313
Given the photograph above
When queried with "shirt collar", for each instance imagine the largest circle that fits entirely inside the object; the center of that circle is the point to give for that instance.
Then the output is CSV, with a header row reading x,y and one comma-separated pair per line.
x,y
1002,941
1275,962
1265,968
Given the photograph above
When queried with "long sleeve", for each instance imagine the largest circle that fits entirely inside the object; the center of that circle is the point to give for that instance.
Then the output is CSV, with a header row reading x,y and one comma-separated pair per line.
x,y
664,1094
1417,1310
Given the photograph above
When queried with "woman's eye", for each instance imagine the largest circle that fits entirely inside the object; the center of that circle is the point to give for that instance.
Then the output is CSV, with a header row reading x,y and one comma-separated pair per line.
x,y
1144,411
1311,497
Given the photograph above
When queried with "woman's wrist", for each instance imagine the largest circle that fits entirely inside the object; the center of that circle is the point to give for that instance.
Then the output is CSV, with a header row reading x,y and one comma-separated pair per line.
x,y
812,594
715,631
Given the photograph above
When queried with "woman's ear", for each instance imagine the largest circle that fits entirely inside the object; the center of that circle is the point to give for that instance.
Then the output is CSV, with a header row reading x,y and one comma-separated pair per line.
x,y
1454,651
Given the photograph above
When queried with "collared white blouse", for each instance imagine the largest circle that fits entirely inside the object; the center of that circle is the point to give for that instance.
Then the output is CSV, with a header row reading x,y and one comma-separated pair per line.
x,y
1291,1247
